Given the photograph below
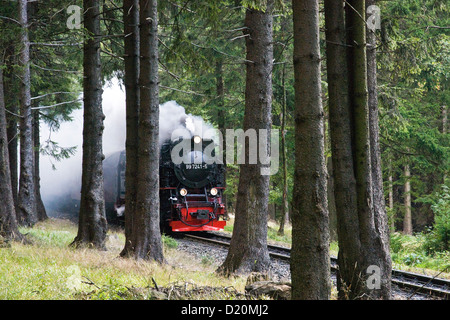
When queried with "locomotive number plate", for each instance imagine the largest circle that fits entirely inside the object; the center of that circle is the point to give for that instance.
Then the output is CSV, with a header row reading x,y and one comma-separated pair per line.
x,y
196,166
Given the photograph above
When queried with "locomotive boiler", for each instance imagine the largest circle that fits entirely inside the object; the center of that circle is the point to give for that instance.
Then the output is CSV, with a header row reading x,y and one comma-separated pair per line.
x,y
190,192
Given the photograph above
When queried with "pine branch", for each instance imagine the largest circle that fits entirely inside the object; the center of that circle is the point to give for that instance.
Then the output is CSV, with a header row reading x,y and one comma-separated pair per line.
x,y
55,105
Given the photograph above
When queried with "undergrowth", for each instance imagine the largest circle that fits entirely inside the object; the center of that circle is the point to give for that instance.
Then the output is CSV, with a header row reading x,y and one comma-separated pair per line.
x,y
50,269
410,252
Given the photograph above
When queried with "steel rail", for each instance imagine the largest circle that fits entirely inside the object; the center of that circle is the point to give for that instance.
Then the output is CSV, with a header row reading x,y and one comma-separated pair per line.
x,y
415,282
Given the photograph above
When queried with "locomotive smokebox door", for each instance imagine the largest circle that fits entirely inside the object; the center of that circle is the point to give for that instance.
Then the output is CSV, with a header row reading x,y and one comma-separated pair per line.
x,y
203,214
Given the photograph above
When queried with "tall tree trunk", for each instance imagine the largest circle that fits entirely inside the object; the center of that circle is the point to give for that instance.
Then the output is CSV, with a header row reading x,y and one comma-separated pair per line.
x,y
8,222
221,118
146,240
341,140
391,197
12,104
131,80
362,229
372,228
248,249
285,206
444,131
92,225
332,216
407,220
40,208
380,227
26,198
310,260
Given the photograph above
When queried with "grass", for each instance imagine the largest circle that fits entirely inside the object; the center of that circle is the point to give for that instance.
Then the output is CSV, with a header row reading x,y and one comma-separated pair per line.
x,y
49,269
408,253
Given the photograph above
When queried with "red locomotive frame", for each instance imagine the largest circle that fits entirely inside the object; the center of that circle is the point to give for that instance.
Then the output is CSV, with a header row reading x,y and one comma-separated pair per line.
x,y
198,212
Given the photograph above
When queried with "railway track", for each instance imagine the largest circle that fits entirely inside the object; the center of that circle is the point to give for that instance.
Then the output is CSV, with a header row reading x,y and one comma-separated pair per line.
x,y
413,283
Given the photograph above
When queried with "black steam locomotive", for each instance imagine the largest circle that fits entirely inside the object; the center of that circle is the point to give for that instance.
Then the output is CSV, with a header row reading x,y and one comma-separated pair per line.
x,y
190,192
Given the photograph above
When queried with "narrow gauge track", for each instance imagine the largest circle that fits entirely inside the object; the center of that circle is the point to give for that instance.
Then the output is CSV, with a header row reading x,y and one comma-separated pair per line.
x,y
413,282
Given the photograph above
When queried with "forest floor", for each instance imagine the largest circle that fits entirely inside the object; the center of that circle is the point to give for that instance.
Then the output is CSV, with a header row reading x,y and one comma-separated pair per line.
x,y
48,269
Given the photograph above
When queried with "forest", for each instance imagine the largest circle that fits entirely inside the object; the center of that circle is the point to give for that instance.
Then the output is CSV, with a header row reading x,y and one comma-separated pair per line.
x,y
357,89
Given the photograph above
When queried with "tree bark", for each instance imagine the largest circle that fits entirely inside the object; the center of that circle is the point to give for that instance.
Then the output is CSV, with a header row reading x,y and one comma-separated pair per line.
x,y
8,222
285,206
444,131
407,220
362,228
380,218
341,140
11,102
375,154
92,225
221,118
40,208
146,240
26,198
248,249
131,80
310,260
374,245
391,198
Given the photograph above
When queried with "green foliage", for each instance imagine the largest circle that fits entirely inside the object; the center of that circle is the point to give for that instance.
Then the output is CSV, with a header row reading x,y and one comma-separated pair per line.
x,y
438,237
411,251
55,64
194,38
57,238
57,152
169,242
413,259
413,74
396,243
272,234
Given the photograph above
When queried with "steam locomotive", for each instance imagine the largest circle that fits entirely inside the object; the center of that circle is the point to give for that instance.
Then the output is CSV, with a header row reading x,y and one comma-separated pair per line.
x,y
190,191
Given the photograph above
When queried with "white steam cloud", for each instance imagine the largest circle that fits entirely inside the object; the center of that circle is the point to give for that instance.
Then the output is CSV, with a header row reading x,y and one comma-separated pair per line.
x,y
173,120
66,179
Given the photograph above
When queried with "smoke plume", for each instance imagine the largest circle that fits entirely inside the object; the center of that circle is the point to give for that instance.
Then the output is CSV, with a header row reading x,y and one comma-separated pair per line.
x,y
63,178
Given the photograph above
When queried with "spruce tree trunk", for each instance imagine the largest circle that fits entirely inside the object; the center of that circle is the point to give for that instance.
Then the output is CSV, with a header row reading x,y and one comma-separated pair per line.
x,y
375,153
362,224
444,131
248,250
341,140
11,102
146,240
285,205
407,220
221,118
373,235
26,198
40,208
131,80
391,198
310,260
380,225
92,225
8,222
